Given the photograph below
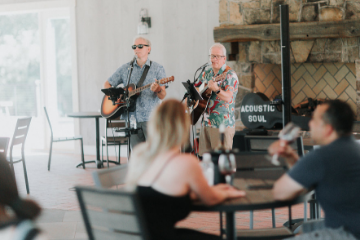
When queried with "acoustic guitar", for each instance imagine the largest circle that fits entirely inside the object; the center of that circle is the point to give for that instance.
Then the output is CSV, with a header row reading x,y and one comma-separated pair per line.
x,y
109,110
200,106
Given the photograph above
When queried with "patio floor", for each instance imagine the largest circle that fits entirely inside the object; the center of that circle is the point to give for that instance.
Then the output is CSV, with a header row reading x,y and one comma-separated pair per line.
x,y
61,218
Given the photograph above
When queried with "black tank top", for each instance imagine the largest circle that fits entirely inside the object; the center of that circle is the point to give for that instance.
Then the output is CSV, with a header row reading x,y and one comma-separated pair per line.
x,y
163,211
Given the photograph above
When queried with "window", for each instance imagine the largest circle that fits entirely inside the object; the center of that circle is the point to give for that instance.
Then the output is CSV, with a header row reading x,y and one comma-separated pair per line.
x,y
19,64
36,68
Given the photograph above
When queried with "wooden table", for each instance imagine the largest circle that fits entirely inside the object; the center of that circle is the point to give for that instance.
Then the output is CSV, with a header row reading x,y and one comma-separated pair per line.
x,y
254,200
95,115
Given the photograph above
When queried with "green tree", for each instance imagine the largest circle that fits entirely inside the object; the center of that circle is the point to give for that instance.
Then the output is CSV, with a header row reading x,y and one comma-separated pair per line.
x,y
19,61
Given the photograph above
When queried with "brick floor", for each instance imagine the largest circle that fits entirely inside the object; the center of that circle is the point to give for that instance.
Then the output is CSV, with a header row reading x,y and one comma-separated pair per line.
x,y
51,190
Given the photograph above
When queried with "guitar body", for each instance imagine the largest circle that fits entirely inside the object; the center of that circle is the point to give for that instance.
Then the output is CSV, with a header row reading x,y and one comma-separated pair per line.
x,y
200,106
108,110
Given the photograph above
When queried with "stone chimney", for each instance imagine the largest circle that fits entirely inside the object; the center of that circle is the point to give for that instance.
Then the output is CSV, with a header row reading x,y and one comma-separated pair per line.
x,y
324,65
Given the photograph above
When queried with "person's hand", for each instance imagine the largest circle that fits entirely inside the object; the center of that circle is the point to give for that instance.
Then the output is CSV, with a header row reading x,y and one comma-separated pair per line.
x,y
118,100
222,186
230,191
155,87
283,149
213,86
235,193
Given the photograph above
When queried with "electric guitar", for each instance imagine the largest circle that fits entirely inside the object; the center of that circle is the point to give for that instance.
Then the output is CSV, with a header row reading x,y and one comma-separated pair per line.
x,y
108,109
199,106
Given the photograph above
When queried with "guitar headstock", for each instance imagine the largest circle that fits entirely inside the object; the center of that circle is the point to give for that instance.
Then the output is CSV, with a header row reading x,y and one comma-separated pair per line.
x,y
166,80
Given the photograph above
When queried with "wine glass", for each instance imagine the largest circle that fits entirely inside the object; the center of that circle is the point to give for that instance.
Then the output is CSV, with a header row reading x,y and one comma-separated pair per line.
x,y
227,166
289,134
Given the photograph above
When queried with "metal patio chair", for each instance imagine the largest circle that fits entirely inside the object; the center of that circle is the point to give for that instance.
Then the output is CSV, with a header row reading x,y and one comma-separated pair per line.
x,y
261,144
18,139
62,139
109,140
112,214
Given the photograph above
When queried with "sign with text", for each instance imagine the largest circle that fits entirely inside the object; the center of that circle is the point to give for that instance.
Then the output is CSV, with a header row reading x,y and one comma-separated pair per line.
x,y
256,112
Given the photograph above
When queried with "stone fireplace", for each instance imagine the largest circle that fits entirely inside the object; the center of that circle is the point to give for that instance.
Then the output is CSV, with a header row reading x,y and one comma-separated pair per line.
x,y
325,63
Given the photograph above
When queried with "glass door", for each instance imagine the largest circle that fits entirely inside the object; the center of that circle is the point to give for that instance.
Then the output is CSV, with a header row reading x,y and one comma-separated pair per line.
x,y
57,73
36,71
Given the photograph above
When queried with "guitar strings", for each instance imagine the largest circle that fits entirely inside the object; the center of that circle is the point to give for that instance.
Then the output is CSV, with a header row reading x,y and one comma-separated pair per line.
x,y
161,81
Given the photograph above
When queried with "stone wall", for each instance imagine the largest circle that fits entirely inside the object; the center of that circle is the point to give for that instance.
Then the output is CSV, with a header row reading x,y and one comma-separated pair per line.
x,y
309,80
259,54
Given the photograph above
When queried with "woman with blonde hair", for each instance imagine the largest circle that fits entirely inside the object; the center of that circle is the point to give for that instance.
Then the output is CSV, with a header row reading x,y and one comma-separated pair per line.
x,y
167,180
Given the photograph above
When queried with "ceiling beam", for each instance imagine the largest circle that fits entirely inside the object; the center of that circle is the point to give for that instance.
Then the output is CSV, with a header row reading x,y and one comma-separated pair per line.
x,y
298,31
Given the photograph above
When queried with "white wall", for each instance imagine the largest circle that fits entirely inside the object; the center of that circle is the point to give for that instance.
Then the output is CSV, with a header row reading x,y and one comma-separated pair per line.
x,y
181,34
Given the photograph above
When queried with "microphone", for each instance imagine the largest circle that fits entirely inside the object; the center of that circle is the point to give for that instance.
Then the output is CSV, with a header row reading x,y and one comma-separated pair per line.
x,y
202,67
205,65
133,60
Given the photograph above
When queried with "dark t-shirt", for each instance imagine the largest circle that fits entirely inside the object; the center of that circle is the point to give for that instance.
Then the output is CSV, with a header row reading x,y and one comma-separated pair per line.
x,y
334,172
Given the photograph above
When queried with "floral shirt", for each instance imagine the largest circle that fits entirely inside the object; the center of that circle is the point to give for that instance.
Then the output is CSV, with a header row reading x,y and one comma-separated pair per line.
x,y
219,111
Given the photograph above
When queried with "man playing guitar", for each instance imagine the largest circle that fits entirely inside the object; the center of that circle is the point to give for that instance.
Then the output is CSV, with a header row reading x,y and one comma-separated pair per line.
x,y
148,98
221,103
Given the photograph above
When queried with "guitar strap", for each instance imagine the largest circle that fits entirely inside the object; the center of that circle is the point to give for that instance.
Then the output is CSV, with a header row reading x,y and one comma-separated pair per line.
x,y
143,76
226,70
132,107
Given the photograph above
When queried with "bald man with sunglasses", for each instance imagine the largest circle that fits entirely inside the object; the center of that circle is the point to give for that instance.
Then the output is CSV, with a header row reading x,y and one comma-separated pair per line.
x,y
149,98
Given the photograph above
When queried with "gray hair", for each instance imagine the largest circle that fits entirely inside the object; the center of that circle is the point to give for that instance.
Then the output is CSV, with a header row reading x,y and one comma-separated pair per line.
x,y
218,45
145,39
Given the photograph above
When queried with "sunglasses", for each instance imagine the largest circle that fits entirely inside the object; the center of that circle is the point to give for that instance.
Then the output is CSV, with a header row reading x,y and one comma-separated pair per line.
x,y
140,46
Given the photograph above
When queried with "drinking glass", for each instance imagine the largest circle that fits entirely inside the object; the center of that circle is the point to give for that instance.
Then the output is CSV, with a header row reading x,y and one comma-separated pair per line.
x,y
289,133
227,166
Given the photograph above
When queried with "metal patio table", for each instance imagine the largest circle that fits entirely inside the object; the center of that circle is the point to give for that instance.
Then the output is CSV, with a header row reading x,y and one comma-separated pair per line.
x,y
254,200
95,115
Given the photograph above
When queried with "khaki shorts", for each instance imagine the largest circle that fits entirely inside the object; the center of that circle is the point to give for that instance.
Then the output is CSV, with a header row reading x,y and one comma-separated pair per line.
x,y
210,139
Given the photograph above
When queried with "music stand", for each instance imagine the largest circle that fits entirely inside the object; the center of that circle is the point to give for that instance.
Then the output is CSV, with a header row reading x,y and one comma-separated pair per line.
x,y
192,93
113,93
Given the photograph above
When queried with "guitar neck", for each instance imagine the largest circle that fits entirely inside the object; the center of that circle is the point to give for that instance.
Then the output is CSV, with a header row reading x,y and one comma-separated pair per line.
x,y
216,79
132,93
137,90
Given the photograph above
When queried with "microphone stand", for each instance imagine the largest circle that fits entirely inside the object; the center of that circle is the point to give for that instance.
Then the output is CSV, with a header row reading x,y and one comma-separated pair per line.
x,y
190,95
127,99
202,70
